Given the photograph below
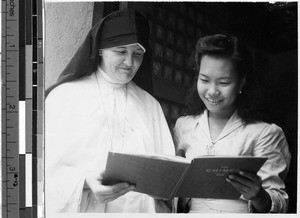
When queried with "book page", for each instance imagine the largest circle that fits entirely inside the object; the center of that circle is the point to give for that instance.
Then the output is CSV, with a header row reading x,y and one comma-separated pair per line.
x,y
160,157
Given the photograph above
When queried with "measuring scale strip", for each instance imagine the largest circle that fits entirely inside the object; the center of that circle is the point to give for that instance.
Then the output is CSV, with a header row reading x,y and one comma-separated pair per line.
x,y
22,109
10,110
39,105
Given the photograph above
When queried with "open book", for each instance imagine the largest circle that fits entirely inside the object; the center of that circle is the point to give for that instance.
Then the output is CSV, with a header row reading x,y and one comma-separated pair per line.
x,y
166,177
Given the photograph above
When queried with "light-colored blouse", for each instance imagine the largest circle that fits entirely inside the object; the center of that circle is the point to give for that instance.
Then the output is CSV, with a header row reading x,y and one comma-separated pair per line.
x,y
191,133
84,120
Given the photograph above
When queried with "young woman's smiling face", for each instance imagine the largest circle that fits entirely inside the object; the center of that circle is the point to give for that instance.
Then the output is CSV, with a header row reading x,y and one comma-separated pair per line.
x,y
121,63
218,85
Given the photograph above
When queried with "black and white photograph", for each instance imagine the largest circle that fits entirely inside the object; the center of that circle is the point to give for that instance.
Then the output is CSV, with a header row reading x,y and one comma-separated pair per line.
x,y
170,107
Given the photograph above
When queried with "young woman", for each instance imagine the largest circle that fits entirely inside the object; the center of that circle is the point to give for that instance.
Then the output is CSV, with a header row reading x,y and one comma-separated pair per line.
x,y
95,108
222,120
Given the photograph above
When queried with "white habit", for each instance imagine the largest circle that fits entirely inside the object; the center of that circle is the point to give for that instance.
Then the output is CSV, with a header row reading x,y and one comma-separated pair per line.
x,y
84,120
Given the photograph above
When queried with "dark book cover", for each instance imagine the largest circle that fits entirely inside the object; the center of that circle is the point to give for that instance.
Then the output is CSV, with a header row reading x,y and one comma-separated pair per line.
x,y
168,176
157,176
206,176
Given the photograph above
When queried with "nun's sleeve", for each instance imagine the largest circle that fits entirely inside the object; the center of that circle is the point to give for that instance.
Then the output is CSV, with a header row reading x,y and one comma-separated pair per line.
x,y
64,151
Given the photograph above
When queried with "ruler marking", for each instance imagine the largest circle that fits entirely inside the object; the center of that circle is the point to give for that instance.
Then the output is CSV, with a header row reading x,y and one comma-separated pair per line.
x,y
10,41
22,164
29,178
12,37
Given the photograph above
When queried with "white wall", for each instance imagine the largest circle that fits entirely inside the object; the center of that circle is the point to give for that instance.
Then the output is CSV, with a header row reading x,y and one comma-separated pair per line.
x,y
66,25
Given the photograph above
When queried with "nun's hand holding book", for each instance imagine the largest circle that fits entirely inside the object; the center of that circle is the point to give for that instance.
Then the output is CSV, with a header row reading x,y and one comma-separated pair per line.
x,y
105,193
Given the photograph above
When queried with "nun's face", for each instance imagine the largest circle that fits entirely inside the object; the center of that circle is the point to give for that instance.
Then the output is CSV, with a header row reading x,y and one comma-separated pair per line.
x,y
121,63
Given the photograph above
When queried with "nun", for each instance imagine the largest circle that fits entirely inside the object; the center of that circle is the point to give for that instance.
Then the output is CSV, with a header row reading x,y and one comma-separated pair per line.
x,y
94,108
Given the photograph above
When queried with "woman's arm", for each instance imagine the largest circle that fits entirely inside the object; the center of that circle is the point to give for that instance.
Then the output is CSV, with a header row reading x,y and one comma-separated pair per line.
x,y
266,190
64,180
250,186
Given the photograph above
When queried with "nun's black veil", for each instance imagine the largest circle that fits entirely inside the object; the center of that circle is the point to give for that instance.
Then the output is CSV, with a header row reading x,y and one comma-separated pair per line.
x,y
118,28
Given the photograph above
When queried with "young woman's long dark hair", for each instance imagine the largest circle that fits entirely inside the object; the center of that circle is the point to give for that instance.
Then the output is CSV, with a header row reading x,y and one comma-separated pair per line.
x,y
219,45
